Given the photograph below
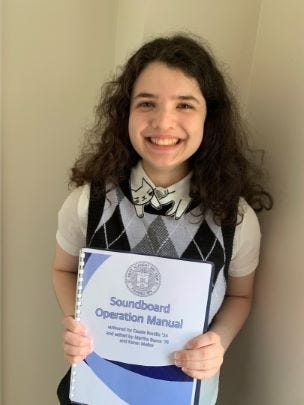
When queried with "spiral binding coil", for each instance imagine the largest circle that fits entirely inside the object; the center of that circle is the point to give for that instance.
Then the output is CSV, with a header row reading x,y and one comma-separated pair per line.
x,y
79,288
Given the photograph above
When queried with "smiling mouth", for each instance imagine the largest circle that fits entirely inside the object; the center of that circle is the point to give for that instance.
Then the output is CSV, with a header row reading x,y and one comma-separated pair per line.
x,y
164,141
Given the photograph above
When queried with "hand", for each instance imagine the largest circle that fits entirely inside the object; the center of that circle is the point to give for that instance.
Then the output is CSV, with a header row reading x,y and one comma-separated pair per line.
x,y
76,342
202,357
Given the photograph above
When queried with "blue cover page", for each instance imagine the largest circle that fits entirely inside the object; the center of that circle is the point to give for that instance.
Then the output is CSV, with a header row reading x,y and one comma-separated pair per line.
x,y
139,310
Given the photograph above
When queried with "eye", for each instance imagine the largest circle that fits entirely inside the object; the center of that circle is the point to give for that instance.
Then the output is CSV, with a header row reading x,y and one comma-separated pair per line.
x,y
185,106
145,105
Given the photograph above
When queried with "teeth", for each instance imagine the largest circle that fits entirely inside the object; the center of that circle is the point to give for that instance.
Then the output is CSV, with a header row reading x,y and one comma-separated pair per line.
x,y
164,142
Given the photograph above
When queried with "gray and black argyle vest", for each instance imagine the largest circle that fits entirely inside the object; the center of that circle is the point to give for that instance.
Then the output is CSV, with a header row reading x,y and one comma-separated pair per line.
x,y
113,224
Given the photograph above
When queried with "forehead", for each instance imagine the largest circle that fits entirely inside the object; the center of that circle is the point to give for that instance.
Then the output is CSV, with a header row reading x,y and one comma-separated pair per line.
x,y
159,77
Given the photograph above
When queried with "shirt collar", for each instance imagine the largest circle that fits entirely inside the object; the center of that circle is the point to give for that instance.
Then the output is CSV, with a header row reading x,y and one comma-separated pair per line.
x,y
144,193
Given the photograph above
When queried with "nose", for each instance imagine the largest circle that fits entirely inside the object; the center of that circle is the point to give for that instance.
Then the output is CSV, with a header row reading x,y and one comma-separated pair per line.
x,y
163,119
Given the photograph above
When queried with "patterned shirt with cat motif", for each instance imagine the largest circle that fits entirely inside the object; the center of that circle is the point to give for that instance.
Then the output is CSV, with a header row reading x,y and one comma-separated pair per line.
x,y
142,218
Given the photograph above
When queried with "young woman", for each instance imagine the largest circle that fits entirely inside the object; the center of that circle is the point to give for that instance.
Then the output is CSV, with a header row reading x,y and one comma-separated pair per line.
x,y
165,172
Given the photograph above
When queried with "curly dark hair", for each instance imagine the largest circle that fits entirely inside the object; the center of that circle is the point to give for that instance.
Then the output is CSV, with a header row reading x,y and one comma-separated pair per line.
x,y
222,168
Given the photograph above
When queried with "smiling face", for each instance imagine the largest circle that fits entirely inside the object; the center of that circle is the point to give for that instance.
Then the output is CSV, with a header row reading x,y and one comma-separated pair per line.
x,y
166,121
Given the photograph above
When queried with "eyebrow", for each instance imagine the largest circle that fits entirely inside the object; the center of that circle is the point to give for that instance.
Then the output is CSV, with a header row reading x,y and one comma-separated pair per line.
x,y
188,98
153,96
145,95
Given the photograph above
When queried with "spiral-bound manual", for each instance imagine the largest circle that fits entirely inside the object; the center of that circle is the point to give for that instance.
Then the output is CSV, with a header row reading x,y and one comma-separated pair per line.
x,y
79,287
139,310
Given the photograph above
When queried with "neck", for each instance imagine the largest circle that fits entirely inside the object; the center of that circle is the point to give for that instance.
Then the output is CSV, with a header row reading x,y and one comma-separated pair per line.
x,y
165,177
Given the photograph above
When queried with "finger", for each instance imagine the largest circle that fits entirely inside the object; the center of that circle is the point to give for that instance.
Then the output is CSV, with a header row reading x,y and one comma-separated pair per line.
x,y
74,359
76,351
74,326
203,353
200,375
206,339
195,355
76,340
201,365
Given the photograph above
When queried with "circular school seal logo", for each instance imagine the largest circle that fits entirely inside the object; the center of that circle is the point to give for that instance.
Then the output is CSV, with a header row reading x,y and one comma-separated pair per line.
x,y
143,279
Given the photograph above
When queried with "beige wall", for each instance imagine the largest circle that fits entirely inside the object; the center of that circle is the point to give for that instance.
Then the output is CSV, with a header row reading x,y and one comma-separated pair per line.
x,y
266,365
56,55
228,26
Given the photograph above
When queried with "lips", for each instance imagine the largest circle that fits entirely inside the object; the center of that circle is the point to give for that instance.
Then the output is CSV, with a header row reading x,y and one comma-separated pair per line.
x,y
164,141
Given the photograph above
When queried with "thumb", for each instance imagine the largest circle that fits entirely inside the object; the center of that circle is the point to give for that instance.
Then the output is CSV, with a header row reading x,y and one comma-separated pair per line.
x,y
206,339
